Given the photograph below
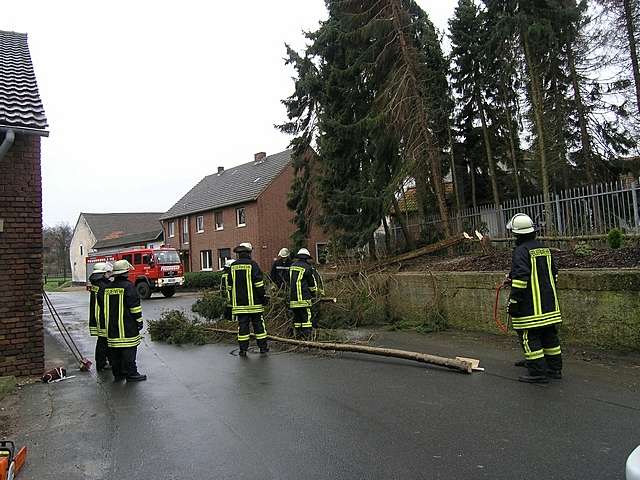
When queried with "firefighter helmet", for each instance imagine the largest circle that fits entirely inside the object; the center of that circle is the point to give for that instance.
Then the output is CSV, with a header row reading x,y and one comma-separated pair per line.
x,y
283,253
100,267
121,266
228,262
243,247
521,224
303,253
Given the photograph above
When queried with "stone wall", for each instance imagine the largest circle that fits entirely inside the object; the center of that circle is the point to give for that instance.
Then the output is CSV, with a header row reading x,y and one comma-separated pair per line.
x,y
600,308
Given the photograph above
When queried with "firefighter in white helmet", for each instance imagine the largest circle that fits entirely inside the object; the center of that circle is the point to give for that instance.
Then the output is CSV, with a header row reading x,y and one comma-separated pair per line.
x,y
99,279
225,287
280,269
533,303
248,299
302,288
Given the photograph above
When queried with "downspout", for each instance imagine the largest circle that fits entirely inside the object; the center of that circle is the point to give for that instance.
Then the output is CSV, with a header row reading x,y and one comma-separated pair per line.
x,y
9,138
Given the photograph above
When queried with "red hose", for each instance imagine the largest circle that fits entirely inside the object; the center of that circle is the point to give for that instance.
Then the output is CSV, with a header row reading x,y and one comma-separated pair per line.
x,y
503,328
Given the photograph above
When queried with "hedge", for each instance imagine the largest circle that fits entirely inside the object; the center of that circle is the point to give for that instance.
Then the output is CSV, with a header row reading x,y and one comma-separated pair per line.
x,y
202,279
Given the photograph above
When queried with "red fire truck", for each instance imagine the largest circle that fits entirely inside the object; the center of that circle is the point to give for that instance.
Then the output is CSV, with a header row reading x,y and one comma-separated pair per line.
x,y
155,270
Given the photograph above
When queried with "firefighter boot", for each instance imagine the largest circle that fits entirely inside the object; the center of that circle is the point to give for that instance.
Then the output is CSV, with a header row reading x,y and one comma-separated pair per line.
x,y
242,352
137,377
555,374
533,379
520,363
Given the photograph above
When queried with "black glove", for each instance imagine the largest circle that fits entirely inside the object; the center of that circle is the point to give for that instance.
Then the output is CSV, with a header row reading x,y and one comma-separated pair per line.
x,y
511,308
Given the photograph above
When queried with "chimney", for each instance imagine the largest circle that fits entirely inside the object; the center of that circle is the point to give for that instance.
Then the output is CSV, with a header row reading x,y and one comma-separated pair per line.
x,y
260,156
220,170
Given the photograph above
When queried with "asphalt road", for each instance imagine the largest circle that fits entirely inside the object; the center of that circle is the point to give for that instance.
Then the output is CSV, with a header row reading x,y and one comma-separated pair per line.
x,y
205,413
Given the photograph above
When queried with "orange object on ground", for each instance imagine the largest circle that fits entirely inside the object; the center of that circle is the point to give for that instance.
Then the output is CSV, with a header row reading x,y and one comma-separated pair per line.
x,y
4,468
21,457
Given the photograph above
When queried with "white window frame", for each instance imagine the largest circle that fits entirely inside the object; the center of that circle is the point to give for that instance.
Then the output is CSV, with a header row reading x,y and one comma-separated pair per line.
x,y
219,226
238,224
220,262
209,259
200,224
171,229
185,230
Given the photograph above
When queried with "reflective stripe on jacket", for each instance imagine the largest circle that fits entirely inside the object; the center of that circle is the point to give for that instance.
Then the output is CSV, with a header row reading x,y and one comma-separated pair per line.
x,y
534,299
97,322
303,286
123,313
247,287
225,286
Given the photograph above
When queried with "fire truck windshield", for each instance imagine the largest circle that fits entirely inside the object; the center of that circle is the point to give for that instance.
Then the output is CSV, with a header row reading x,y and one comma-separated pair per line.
x,y
167,257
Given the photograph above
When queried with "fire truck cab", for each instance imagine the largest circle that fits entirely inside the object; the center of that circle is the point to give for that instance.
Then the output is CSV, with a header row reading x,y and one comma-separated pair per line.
x,y
155,270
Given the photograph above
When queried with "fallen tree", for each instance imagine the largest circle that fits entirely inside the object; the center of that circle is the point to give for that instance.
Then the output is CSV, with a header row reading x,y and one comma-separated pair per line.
x,y
452,363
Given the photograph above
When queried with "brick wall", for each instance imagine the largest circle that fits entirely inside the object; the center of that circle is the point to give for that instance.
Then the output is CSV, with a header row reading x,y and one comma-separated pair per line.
x,y
21,330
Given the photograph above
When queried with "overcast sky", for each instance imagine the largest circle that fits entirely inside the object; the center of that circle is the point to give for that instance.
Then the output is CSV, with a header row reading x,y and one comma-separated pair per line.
x,y
144,98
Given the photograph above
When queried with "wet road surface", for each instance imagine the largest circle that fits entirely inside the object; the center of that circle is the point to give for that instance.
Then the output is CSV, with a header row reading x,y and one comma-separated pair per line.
x,y
207,414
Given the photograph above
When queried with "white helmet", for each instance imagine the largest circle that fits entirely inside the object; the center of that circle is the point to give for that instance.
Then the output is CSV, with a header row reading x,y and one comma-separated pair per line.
x,y
521,224
243,247
102,267
121,266
303,253
228,262
283,253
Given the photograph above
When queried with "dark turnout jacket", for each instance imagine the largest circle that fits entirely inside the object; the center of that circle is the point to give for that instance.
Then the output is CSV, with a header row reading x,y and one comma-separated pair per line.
x,y
123,312
280,272
97,320
247,287
303,286
534,300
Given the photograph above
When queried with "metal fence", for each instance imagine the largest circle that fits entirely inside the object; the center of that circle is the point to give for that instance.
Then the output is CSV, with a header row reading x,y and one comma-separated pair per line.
x,y
582,211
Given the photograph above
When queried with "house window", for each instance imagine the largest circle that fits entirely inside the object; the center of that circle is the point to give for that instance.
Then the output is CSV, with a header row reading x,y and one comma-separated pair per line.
x,y
205,260
200,223
219,221
185,230
81,250
241,217
224,254
172,229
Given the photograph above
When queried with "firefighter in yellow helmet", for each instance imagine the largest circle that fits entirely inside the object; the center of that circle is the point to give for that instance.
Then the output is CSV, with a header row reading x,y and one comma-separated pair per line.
x,y
248,299
533,303
124,322
302,291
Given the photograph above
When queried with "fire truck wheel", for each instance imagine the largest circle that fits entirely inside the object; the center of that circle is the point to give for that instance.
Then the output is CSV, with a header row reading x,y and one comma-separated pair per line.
x,y
168,291
144,290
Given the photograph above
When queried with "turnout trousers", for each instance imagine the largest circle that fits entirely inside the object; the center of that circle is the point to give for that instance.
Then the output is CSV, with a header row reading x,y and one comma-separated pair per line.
x,y
103,353
245,322
302,321
123,362
541,347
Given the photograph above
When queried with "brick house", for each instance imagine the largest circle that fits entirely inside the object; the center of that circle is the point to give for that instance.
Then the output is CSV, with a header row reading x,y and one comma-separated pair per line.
x,y
247,203
107,232
22,123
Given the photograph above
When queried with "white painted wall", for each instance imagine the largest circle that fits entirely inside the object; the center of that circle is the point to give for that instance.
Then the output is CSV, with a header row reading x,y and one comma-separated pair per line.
x,y
82,237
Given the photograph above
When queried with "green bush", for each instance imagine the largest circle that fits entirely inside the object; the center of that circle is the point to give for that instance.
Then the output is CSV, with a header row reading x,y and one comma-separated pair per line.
x,y
202,279
175,327
615,238
211,305
583,249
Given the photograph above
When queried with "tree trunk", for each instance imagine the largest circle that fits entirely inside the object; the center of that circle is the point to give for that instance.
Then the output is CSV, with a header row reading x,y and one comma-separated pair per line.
x,y
633,51
387,235
472,171
582,118
512,142
403,224
421,115
454,173
372,248
452,363
488,150
538,115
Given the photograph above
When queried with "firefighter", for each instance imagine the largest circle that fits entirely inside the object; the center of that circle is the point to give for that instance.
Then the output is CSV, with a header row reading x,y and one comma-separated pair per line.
x,y
99,279
280,269
225,288
248,299
303,288
533,303
124,322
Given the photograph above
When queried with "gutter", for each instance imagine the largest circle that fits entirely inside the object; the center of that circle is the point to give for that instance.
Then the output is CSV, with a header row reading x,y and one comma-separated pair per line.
x,y
9,138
